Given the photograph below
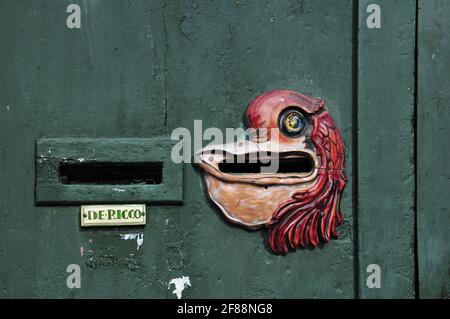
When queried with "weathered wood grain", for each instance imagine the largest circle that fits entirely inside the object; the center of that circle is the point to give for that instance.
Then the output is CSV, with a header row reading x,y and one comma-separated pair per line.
x,y
433,149
221,55
386,148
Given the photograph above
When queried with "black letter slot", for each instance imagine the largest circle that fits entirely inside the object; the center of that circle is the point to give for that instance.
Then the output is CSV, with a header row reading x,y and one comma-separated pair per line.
x,y
75,172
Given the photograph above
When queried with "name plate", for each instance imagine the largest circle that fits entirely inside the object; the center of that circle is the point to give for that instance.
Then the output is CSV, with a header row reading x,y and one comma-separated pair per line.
x,y
113,215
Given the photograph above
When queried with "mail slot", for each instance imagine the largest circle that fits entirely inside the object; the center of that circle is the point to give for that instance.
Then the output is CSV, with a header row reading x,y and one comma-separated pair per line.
x,y
73,172
239,165
123,170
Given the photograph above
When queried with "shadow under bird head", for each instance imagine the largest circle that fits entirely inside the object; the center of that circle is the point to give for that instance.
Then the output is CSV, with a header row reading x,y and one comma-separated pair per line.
x,y
287,176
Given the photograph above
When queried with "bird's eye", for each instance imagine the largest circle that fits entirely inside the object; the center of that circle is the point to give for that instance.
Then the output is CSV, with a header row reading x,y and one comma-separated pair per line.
x,y
292,122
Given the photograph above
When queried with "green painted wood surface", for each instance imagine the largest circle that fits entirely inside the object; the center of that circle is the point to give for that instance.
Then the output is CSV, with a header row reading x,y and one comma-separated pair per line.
x,y
133,67
386,148
50,152
105,80
221,55
139,69
433,149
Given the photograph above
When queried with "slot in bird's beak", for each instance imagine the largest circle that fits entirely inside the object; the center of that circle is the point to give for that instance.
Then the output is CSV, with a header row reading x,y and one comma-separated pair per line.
x,y
259,163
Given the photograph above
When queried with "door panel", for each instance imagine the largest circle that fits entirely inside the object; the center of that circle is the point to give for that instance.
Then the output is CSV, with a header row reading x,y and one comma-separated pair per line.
x,y
104,80
141,69
433,172
385,160
223,54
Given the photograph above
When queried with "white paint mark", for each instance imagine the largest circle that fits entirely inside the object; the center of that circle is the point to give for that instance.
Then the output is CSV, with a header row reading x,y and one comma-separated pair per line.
x,y
139,238
167,221
118,190
433,56
81,160
139,241
180,284
8,108
81,251
128,236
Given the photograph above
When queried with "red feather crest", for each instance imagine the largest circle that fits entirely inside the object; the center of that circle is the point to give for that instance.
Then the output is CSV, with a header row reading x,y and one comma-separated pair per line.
x,y
312,215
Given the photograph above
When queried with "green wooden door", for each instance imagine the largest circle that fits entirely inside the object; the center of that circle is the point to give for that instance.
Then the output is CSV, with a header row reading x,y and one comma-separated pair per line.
x,y
140,69
433,174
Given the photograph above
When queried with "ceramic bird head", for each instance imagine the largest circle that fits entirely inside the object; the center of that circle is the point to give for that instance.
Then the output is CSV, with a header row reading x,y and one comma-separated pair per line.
x,y
287,176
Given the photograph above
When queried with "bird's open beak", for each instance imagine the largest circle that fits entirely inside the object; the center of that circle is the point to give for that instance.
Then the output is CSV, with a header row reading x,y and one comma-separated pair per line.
x,y
247,179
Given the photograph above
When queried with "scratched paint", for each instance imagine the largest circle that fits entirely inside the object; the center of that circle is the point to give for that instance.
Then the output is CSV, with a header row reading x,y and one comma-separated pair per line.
x,y
139,238
180,284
